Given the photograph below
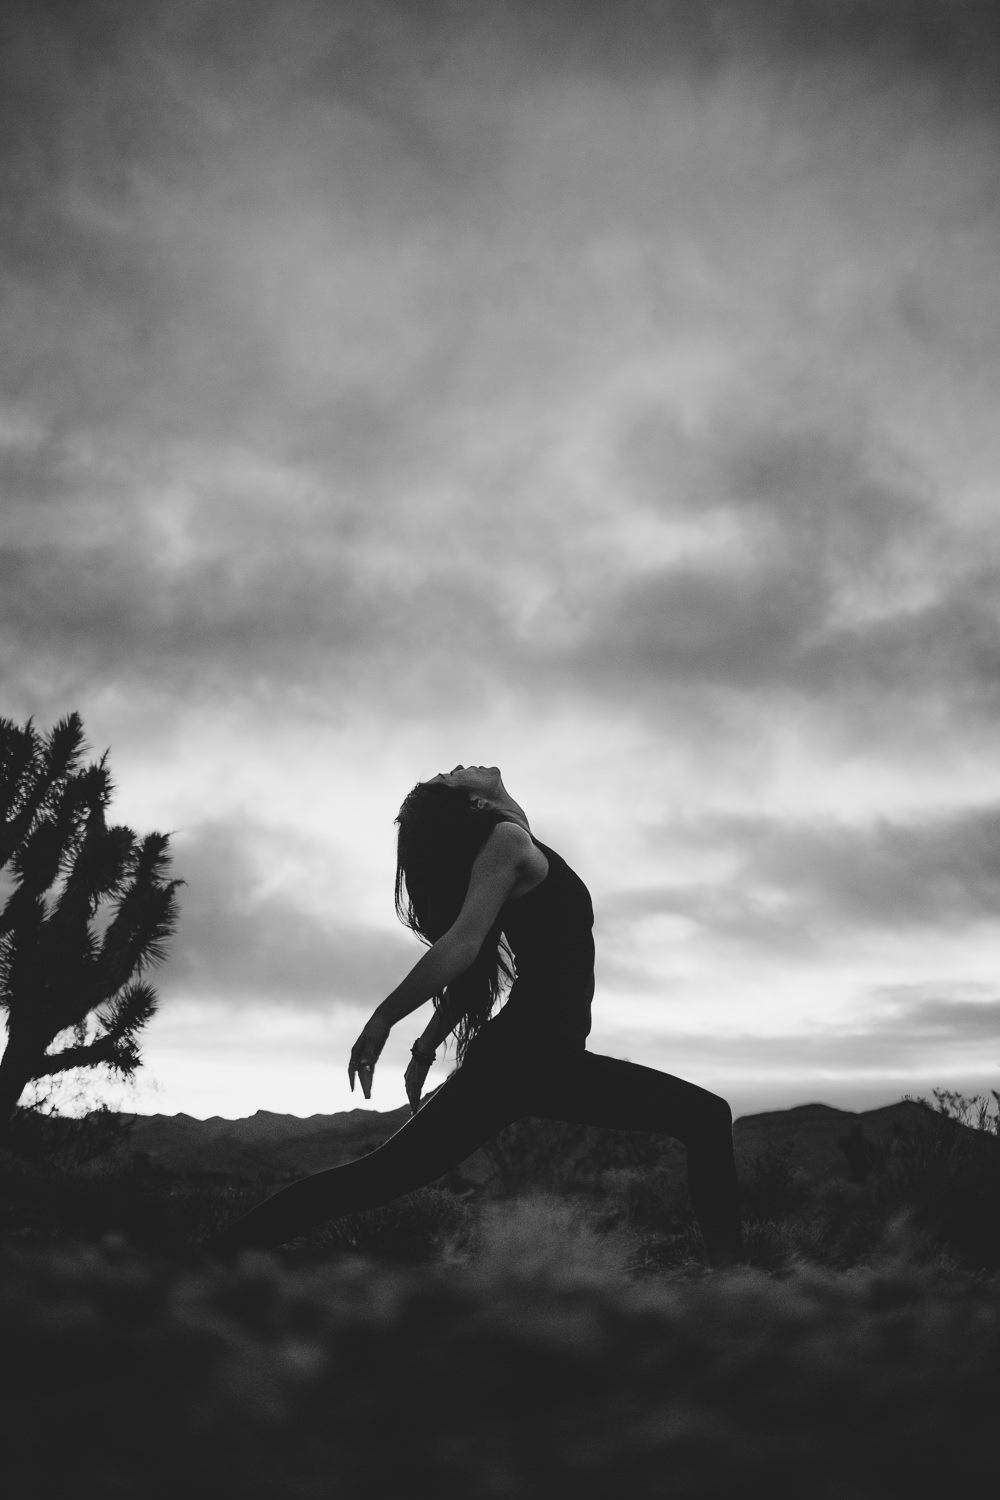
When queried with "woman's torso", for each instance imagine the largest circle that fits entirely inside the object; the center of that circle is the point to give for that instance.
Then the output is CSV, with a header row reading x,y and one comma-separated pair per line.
x,y
550,933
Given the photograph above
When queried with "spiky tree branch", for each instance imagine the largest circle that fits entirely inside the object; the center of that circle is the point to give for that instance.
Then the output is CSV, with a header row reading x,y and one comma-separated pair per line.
x,y
117,1044
33,771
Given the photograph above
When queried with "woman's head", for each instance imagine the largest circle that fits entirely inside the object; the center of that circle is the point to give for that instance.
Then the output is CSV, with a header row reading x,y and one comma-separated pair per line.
x,y
481,784
443,823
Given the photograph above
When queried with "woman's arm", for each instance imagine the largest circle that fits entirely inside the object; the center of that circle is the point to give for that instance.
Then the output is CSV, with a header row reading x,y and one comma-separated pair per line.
x,y
442,1023
443,962
431,974
444,1019
495,872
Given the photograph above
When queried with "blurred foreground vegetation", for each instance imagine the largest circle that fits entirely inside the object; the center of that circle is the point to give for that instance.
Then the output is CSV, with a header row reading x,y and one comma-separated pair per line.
x,y
555,1330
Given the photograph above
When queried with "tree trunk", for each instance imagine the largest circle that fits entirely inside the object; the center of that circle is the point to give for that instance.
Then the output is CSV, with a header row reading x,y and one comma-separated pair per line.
x,y
104,1050
18,1066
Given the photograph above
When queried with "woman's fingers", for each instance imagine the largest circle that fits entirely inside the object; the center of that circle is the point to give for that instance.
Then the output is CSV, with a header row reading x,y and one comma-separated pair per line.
x,y
365,1053
364,1056
366,1071
413,1079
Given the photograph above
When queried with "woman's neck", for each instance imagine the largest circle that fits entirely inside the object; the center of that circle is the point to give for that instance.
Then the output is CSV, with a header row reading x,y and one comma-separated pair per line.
x,y
512,811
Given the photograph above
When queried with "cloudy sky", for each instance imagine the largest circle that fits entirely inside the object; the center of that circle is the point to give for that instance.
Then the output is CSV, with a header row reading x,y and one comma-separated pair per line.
x,y
604,390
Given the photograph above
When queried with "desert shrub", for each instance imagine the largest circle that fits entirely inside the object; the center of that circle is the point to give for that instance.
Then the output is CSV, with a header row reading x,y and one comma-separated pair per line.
x,y
54,1195
533,1368
938,1180
839,1226
646,1199
541,1237
776,1245
862,1155
773,1187
533,1155
97,1140
659,1253
944,1174
553,1156
412,1230
636,1151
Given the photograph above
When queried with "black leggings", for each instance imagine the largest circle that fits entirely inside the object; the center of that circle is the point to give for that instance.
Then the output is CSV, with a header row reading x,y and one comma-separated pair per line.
x,y
496,1085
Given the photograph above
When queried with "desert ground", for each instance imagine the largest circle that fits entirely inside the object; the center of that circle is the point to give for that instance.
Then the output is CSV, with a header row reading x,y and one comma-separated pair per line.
x,y
542,1320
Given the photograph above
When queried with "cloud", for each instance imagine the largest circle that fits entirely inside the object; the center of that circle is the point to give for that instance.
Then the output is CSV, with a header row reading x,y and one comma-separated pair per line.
x,y
226,623
804,886
895,1032
299,329
970,1015
901,1030
811,571
357,346
241,938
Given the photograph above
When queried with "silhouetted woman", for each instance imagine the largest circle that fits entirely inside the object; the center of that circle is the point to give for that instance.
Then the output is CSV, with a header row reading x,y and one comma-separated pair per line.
x,y
473,882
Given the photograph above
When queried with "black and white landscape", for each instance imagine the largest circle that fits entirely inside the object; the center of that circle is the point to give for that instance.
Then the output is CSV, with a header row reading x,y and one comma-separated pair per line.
x,y
605,390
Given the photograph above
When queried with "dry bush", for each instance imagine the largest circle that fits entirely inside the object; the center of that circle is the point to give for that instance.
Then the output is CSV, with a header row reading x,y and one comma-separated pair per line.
x,y
945,1175
531,1367
414,1230
553,1156
940,1177
773,1187
55,1198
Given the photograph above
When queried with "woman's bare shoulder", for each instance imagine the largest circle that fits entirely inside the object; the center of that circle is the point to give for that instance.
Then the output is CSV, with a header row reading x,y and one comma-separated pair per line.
x,y
509,842
508,830
514,837
512,844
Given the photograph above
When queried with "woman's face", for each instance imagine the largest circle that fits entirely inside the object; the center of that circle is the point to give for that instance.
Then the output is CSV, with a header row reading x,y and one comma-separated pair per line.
x,y
482,779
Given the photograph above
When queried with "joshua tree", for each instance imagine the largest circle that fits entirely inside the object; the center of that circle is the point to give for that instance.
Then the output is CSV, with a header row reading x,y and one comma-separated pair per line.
x,y
89,909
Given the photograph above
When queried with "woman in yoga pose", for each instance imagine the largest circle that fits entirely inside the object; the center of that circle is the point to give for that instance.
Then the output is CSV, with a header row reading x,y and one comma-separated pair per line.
x,y
473,882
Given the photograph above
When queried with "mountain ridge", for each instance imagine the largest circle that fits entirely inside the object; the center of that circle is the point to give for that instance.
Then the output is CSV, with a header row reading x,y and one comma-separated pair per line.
x,y
270,1144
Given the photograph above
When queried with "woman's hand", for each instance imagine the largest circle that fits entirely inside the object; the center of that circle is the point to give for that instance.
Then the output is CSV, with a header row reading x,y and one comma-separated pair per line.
x,y
415,1077
365,1053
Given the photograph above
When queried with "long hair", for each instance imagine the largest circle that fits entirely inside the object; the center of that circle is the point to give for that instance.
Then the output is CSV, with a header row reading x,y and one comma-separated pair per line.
x,y
439,838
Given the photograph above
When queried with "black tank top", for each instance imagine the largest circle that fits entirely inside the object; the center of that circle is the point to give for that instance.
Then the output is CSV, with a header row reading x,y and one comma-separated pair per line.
x,y
550,933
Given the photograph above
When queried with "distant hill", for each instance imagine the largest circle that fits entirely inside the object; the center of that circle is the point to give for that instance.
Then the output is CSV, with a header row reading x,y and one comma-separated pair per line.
x,y
278,1146
813,1133
265,1144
